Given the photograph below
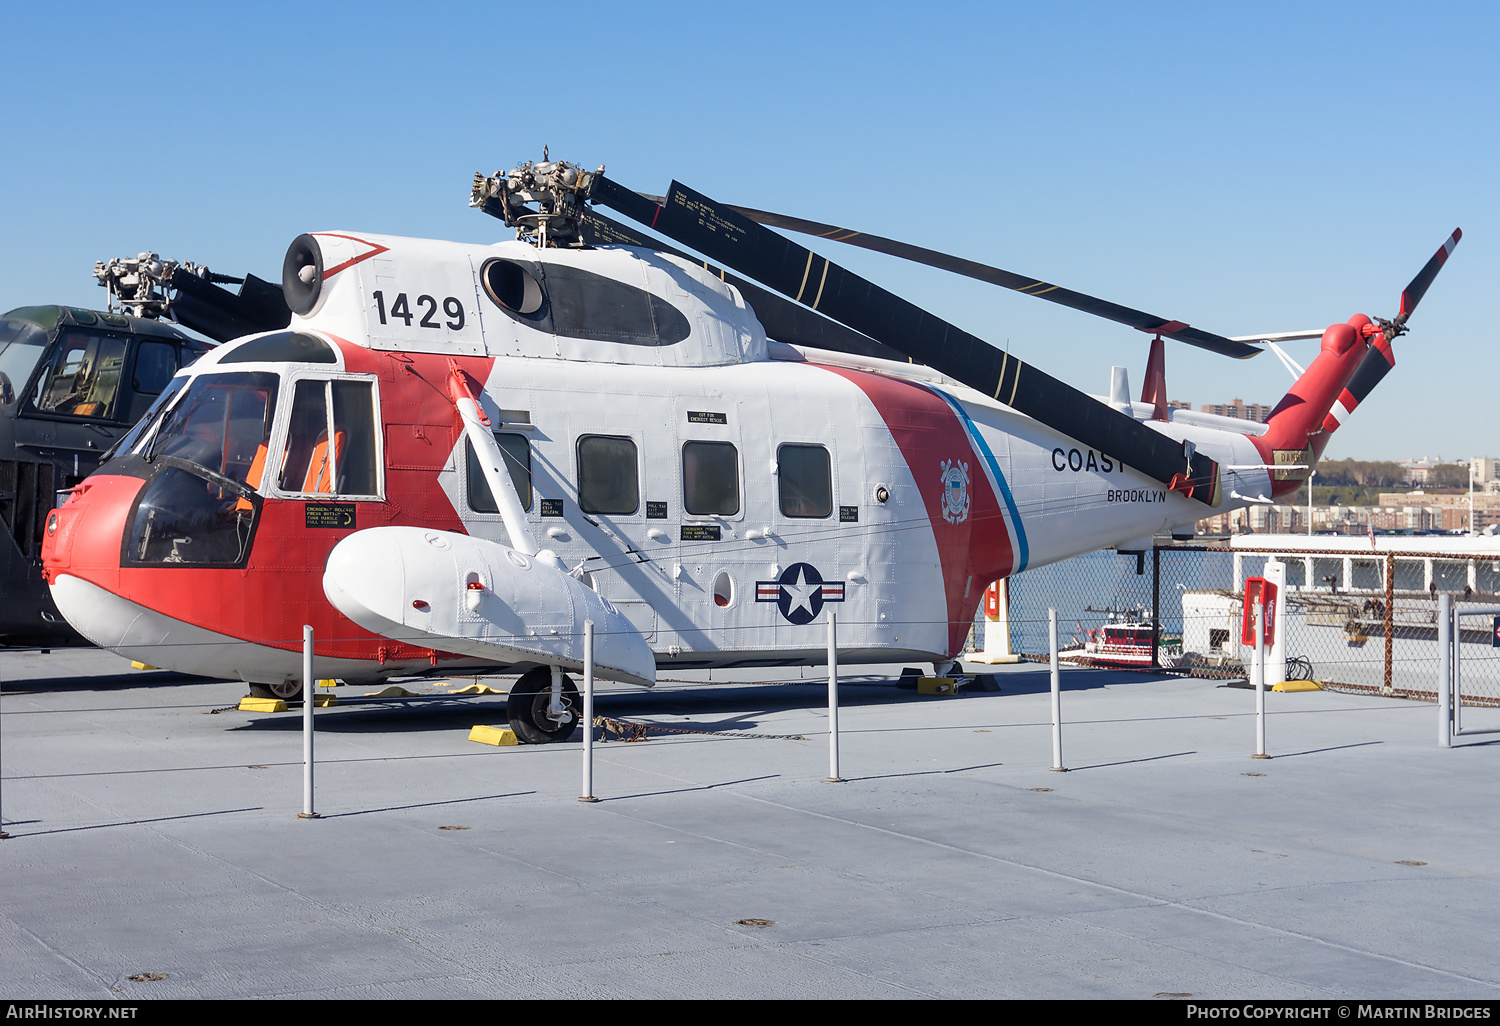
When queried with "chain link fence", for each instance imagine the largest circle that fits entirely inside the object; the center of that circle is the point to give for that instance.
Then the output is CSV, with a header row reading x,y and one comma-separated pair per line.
x,y
1363,622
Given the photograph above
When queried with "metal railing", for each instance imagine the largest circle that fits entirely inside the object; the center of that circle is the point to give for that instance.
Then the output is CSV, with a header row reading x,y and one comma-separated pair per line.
x,y
1363,622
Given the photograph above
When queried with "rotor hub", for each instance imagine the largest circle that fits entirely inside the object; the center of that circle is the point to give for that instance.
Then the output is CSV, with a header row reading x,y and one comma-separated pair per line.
x,y
543,202
138,285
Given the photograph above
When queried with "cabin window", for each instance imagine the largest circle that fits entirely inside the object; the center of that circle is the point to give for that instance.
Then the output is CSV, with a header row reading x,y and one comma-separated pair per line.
x,y
330,446
608,478
517,452
710,479
83,376
806,480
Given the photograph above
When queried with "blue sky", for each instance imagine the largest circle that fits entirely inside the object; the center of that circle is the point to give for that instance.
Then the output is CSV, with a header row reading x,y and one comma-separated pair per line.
x,y
1245,168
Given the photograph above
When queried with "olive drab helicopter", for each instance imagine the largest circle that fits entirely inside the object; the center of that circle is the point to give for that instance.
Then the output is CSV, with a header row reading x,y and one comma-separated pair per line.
x,y
72,383
456,455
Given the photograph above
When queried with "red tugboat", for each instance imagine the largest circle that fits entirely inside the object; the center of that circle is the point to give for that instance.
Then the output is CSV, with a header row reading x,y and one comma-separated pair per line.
x,y
1124,641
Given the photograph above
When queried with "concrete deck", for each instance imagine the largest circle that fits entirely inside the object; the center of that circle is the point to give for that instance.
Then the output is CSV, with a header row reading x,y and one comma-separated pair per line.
x,y
153,833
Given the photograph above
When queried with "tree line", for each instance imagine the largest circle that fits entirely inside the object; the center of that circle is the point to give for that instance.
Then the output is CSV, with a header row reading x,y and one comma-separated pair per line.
x,y
1387,474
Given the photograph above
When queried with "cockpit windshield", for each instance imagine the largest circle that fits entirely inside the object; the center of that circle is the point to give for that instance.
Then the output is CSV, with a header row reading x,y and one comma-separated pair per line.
x,y
21,345
201,507
222,424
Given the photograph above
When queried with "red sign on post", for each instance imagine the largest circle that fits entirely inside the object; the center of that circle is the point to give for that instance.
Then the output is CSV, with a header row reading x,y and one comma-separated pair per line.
x,y
1258,592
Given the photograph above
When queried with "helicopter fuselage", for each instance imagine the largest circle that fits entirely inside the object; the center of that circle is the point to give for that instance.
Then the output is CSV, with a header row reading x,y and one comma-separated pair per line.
x,y
718,489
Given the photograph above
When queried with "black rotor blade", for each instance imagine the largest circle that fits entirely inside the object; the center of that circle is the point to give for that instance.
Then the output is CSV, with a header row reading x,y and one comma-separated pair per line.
x,y
783,320
1005,279
223,315
1413,293
724,235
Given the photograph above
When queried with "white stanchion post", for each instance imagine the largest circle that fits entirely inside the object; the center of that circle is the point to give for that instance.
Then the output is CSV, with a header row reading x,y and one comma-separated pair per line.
x,y
308,681
1057,766
833,699
1445,670
1456,633
3,834
1275,672
588,713
1258,672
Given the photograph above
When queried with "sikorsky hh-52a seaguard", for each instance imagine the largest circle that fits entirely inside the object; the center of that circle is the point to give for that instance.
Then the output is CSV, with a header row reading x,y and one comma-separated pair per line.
x,y
455,455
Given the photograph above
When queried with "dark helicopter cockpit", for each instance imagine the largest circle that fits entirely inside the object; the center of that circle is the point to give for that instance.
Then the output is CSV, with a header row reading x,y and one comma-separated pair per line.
x,y
71,383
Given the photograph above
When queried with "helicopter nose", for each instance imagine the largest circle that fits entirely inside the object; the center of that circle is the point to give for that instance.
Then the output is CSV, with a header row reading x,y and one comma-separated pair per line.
x,y
61,528
82,537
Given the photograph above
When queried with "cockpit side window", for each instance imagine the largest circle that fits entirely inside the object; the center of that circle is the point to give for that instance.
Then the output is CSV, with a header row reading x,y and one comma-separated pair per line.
x,y
330,445
155,363
83,376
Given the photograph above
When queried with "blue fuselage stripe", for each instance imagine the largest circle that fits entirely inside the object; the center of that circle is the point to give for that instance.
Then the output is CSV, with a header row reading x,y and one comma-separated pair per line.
x,y
1022,552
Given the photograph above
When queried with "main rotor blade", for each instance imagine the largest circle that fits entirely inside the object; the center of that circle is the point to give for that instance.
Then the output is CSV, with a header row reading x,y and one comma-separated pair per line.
x,y
1413,293
223,315
783,320
1138,319
723,234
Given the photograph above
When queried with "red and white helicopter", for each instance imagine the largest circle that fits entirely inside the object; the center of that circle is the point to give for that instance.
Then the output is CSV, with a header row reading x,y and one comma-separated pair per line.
x,y
457,454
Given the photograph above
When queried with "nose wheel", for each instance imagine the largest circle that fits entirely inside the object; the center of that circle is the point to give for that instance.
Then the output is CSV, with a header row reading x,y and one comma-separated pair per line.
x,y
526,708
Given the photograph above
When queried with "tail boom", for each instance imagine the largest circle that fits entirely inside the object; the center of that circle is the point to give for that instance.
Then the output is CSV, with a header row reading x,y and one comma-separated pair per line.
x,y
1353,358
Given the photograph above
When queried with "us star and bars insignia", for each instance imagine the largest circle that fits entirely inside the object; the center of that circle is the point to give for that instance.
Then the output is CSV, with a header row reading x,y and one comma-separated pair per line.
x,y
799,593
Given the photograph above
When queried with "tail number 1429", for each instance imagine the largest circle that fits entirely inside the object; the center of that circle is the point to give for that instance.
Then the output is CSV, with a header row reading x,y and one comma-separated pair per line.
x,y
453,308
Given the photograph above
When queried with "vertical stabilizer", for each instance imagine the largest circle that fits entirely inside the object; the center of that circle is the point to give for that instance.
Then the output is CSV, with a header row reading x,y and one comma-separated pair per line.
x,y
1154,390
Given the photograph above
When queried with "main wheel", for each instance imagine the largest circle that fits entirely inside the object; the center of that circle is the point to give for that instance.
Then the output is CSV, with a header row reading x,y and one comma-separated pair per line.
x,y
288,691
526,708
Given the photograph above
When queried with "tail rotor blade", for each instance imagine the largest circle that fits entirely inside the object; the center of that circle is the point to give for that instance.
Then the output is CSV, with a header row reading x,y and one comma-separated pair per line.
x,y
1413,293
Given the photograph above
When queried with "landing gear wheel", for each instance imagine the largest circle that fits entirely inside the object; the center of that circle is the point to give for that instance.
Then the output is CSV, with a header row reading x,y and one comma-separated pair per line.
x,y
526,708
288,691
